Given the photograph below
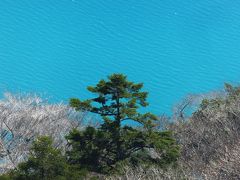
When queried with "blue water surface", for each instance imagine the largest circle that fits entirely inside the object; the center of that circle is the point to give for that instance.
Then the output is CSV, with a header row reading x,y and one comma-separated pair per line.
x,y
175,47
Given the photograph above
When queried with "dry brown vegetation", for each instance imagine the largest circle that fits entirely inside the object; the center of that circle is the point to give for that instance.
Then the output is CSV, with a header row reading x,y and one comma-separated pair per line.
x,y
23,118
209,139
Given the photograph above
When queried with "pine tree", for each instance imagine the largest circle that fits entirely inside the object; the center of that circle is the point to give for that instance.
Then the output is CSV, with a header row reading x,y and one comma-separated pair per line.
x,y
44,163
118,100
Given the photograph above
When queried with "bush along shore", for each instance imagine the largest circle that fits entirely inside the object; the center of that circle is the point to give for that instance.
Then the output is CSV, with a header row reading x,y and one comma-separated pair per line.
x,y
42,141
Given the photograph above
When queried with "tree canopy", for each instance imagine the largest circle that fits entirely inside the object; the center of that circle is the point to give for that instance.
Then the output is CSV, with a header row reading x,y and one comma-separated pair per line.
x,y
118,100
44,163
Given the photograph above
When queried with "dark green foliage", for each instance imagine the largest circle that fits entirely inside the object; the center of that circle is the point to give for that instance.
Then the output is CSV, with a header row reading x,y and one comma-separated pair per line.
x,y
44,163
87,148
101,149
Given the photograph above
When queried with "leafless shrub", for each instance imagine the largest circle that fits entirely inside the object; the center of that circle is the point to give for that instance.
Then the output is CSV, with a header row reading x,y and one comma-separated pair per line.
x,y
183,110
210,140
22,118
150,174
163,122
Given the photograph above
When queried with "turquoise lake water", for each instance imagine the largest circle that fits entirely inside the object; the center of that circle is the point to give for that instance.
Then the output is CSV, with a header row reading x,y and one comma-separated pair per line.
x,y
175,47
